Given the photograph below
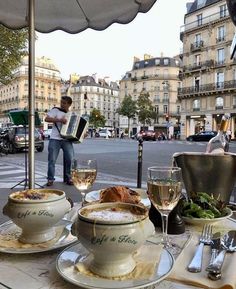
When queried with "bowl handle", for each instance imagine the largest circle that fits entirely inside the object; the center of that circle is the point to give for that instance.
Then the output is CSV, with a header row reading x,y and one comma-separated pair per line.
x,y
5,210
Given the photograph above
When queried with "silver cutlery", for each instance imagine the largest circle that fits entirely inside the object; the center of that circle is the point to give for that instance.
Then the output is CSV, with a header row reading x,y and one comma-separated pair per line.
x,y
228,244
205,239
215,247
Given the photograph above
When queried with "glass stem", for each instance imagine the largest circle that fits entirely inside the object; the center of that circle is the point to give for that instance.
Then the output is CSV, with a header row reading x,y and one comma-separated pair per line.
x,y
164,219
82,198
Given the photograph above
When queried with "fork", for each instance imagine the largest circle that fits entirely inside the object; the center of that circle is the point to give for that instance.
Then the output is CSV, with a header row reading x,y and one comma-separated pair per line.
x,y
205,239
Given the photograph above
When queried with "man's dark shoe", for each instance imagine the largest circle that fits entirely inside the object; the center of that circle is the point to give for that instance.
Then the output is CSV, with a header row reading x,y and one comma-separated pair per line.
x,y
49,183
70,183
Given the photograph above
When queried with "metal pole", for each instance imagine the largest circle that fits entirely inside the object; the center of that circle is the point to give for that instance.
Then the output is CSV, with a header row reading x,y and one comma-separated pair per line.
x,y
31,20
140,162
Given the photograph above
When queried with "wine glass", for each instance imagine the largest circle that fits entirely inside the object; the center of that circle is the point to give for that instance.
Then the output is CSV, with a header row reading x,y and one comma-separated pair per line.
x,y
164,191
83,174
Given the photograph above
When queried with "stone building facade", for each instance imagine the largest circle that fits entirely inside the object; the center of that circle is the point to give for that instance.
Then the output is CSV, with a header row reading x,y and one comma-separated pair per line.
x,y
90,92
209,75
47,89
158,76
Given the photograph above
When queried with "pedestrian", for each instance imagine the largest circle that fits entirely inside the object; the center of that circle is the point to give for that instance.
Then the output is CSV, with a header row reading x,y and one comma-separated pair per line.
x,y
57,116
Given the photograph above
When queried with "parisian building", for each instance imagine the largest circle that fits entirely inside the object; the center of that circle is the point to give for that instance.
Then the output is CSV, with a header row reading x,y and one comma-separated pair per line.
x,y
14,96
89,92
158,76
209,75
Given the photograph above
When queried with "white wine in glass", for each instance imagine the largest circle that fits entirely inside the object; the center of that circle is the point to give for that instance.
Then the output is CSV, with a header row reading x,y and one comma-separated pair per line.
x,y
164,191
84,173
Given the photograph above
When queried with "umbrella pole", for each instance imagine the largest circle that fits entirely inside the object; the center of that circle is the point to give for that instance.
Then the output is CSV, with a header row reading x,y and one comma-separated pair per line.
x,y
31,170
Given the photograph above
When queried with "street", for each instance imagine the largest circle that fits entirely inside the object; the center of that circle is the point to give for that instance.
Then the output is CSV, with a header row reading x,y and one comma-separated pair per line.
x,y
115,157
117,164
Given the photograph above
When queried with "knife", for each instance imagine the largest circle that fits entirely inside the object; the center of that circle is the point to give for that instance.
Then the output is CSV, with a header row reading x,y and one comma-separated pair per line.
x,y
228,245
215,247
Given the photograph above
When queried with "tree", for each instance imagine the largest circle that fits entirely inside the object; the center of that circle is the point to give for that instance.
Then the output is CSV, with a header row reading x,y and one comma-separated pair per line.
x,y
146,111
13,46
96,119
128,107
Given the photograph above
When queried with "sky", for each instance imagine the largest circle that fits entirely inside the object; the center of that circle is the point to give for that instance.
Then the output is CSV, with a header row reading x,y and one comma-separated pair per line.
x,y
111,52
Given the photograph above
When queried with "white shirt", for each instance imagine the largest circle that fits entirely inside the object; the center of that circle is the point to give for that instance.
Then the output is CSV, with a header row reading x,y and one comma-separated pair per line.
x,y
55,112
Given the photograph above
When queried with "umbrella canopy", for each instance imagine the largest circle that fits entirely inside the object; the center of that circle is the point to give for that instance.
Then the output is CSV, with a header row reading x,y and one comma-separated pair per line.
x,y
72,16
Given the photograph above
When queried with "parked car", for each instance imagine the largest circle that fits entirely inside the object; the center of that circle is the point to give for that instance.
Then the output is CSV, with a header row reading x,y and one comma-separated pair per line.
x,y
104,132
19,139
202,136
147,135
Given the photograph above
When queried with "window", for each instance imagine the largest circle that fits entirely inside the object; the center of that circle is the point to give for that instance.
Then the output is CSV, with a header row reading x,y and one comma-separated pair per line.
x,y
166,61
157,61
157,98
196,105
144,85
219,80
178,109
219,102
165,108
197,83
197,59
200,3
156,109
198,40
220,34
166,97
220,56
234,101
223,11
165,73
199,19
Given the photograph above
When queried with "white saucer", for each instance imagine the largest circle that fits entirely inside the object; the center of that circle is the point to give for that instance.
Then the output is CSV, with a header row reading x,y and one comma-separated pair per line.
x,y
76,252
95,196
65,239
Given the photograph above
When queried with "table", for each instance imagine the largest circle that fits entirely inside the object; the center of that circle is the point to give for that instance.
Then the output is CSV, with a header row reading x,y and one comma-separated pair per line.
x,y
37,271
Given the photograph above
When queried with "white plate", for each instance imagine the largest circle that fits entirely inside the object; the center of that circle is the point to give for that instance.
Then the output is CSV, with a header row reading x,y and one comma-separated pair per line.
x,y
76,252
9,227
95,196
199,221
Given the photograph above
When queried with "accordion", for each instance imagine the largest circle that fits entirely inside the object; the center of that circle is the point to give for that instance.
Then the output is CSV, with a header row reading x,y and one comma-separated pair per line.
x,y
75,127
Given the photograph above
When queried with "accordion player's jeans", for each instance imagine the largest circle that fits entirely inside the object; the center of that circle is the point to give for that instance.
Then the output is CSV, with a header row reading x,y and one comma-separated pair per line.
x,y
54,147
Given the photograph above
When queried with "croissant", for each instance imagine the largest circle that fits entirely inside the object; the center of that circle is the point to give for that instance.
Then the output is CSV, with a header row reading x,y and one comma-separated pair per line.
x,y
119,194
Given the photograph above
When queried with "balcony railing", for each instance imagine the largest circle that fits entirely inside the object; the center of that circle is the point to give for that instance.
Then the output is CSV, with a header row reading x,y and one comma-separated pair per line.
x,y
220,39
160,76
205,21
197,45
231,84
199,65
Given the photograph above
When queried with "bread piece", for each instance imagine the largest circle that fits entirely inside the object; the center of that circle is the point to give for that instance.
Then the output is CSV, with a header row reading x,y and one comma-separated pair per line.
x,y
119,194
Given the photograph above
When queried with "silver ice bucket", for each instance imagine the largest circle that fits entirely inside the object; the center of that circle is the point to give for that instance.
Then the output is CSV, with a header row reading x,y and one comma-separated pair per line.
x,y
213,174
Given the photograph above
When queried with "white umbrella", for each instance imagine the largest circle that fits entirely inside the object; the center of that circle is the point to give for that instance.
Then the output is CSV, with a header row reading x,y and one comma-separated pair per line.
x,y
72,16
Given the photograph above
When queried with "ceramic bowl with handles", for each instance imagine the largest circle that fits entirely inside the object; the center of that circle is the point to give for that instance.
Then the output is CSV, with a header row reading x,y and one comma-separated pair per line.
x,y
36,211
112,232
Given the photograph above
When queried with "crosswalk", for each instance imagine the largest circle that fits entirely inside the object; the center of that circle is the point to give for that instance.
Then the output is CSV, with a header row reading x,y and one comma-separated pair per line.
x,y
13,174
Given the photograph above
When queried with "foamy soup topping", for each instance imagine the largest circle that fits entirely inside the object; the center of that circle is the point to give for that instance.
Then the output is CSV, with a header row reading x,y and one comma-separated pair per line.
x,y
33,195
113,214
